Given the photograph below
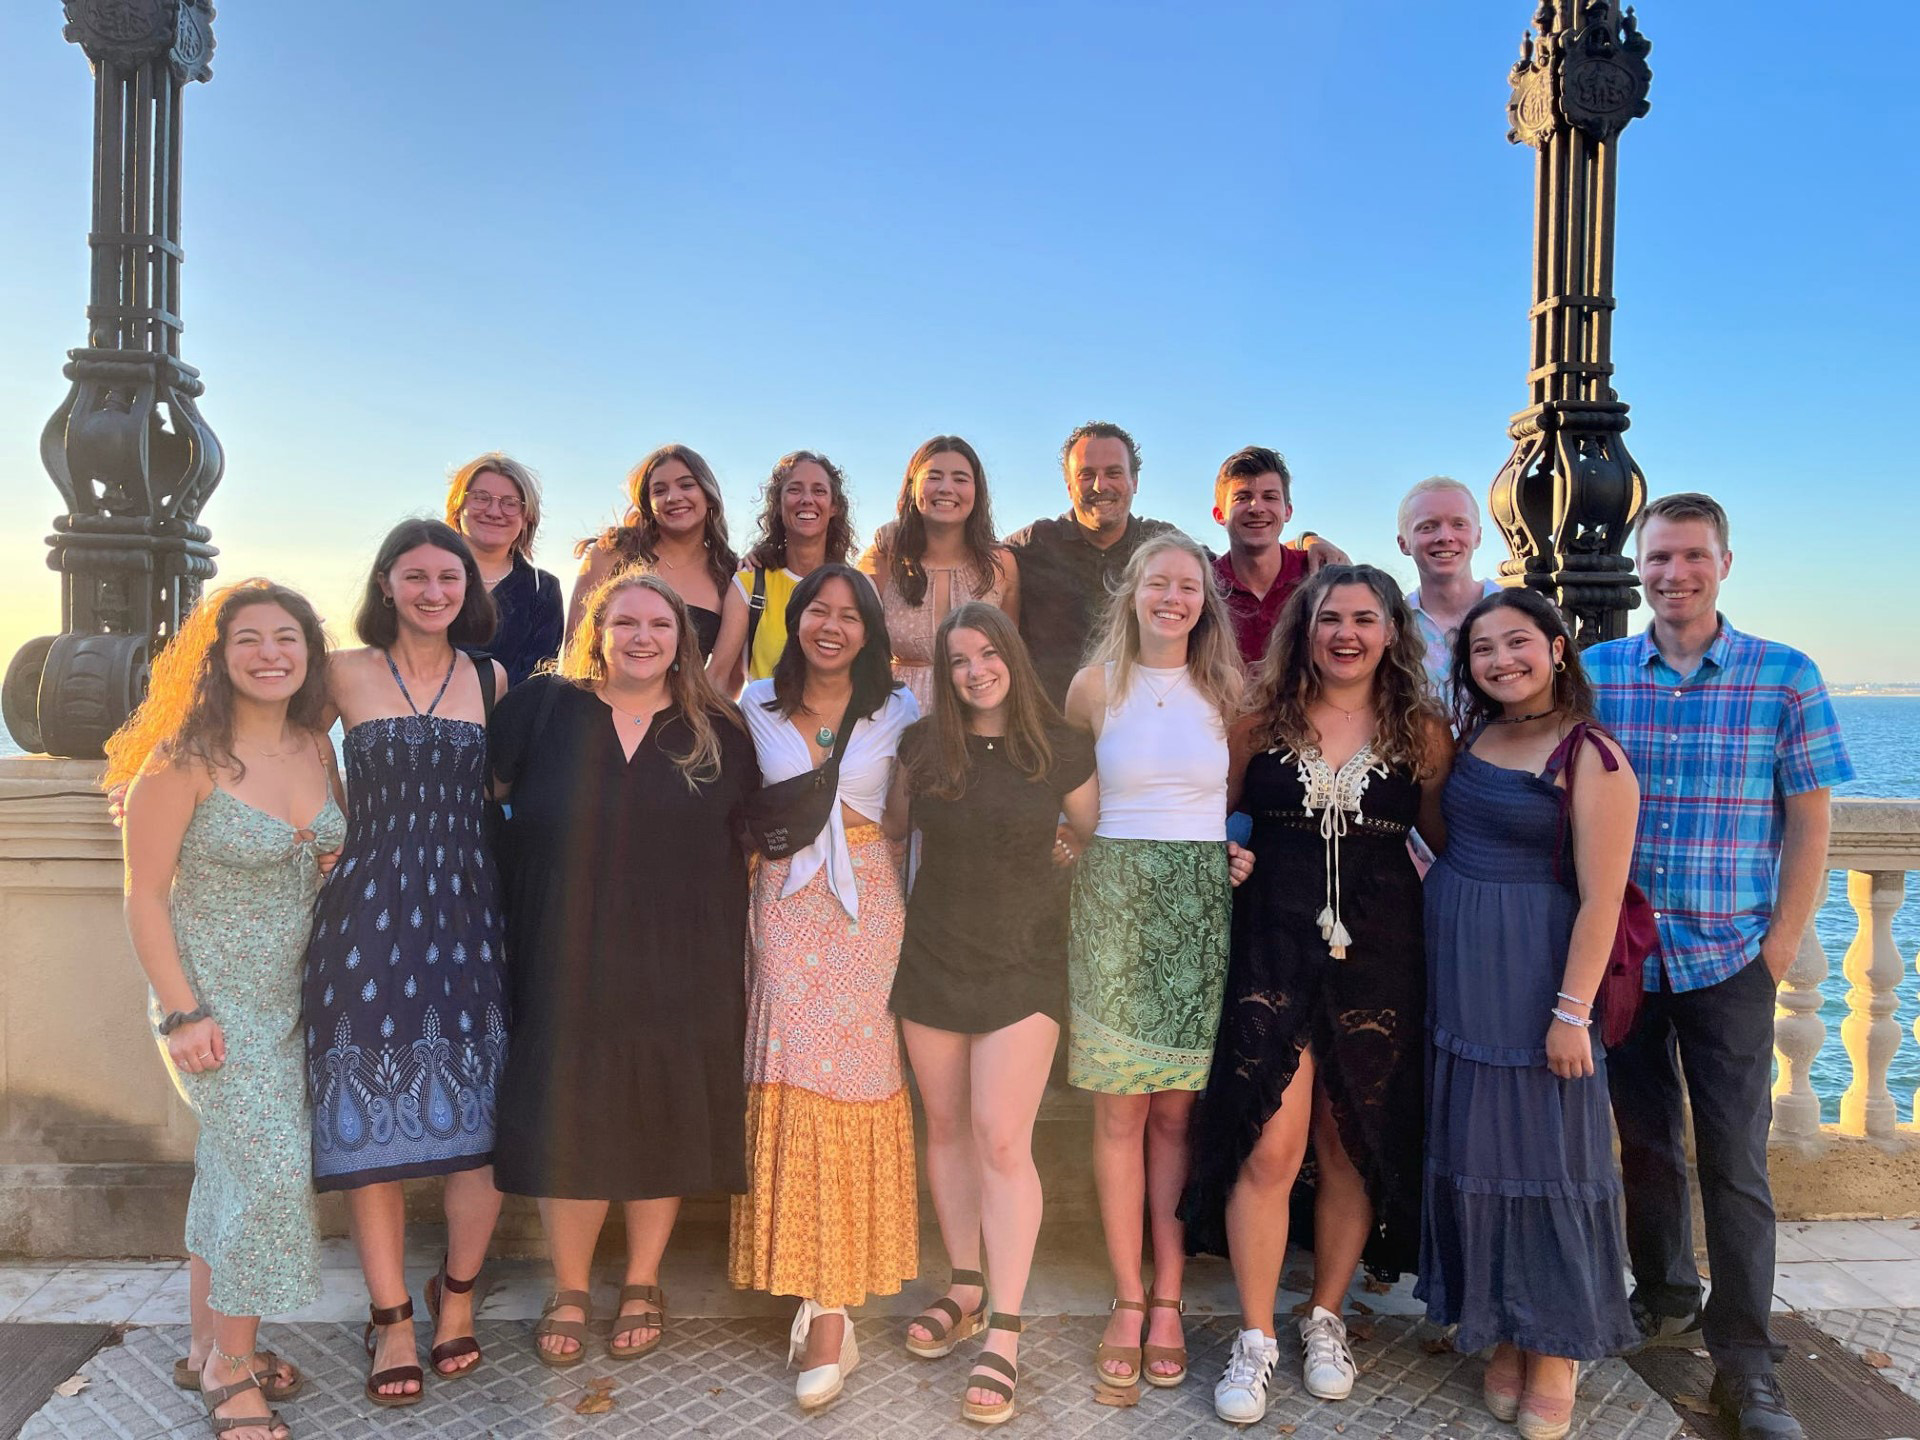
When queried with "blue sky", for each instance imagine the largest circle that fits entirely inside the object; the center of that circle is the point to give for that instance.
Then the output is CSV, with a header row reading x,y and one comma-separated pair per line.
x,y
416,231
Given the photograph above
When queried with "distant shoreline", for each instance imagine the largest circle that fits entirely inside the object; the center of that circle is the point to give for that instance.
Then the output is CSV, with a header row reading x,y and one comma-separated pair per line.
x,y
1853,692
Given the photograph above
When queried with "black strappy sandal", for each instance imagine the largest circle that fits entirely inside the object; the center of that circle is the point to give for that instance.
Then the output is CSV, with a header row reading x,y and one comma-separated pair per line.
x,y
226,1424
463,1345
381,1317
653,1318
946,1322
996,1373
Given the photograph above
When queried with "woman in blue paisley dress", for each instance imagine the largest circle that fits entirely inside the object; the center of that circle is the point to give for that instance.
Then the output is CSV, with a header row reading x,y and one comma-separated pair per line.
x,y
232,815
405,999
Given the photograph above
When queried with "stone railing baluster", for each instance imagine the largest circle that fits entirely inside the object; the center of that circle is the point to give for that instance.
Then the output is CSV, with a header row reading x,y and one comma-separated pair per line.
x,y
1799,1034
1870,1033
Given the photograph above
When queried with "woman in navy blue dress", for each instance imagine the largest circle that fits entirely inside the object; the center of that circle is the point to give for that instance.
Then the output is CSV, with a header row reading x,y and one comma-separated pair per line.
x,y
404,999
1521,1244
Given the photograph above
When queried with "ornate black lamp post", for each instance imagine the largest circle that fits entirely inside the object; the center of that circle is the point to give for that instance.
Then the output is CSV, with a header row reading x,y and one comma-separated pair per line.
x,y
1567,496
127,448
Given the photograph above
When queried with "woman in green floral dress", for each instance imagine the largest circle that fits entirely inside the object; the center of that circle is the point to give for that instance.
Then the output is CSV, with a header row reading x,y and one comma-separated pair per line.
x,y
1151,909
231,815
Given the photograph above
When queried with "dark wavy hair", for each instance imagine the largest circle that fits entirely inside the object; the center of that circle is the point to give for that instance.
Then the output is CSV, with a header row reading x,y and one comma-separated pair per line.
x,y
934,748
1102,430
769,551
187,714
904,542
872,668
376,623
640,544
1288,681
1572,691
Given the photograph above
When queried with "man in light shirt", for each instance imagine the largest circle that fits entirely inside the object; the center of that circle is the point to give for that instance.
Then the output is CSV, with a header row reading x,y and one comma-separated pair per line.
x,y
1440,530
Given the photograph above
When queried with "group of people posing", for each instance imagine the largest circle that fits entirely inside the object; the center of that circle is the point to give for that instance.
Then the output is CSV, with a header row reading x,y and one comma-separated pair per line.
x,y
973,792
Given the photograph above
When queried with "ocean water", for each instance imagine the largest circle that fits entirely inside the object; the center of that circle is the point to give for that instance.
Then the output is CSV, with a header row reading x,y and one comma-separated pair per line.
x,y
1883,736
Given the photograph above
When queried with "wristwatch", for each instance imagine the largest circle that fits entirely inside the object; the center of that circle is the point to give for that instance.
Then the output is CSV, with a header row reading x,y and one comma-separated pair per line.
x,y
182,1017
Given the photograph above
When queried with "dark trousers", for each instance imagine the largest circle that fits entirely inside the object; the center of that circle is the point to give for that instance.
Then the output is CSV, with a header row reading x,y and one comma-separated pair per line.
x,y
1721,1037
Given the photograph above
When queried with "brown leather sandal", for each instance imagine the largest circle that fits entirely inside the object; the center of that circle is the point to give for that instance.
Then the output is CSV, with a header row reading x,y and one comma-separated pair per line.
x,y
1150,1354
653,1318
944,1321
266,1366
574,1330
1127,1354
226,1424
383,1316
995,1373
461,1345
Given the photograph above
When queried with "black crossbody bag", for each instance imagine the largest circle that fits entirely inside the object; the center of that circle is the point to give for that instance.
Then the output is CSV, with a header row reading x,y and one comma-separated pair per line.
x,y
778,819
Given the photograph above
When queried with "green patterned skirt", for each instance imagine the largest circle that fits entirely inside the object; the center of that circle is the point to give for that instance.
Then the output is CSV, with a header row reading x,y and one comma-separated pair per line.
x,y
1147,964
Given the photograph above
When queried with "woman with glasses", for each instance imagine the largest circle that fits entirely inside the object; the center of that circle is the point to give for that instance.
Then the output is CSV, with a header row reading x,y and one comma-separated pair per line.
x,y
494,502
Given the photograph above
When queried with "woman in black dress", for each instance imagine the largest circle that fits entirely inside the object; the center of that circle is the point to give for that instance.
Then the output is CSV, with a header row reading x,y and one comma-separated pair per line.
x,y
1322,1036
626,901
981,987
675,526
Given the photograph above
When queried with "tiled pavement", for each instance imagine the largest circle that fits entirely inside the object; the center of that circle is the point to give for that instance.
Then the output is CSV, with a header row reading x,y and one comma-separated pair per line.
x,y
720,1374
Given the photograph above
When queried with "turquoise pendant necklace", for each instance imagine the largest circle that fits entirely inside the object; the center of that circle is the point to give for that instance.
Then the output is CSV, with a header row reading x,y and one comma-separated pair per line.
x,y
824,736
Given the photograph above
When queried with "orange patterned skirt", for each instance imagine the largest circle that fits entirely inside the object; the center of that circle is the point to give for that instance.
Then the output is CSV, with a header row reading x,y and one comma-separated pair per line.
x,y
831,1209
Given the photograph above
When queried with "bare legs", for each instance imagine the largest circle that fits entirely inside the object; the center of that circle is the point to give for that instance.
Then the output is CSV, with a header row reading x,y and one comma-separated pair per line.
x,y
1342,1213
1257,1205
573,1229
981,1094
1140,1164
378,1218
229,1361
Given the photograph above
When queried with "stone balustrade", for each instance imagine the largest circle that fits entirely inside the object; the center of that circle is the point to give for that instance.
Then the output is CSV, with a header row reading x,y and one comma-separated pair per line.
x,y
1876,842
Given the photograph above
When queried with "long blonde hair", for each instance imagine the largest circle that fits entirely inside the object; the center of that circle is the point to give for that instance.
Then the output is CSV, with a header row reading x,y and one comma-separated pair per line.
x,y
1288,681
687,683
1213,656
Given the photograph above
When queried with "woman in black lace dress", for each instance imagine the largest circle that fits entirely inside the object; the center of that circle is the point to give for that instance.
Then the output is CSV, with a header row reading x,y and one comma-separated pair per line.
x,y
1323,1033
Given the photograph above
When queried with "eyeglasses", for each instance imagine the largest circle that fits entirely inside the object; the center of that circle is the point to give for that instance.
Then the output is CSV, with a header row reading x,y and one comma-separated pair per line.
x,y
508,505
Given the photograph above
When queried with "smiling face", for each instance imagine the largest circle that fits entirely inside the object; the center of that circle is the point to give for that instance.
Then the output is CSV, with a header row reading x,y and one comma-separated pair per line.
x,y
831,632
674,496
427,585
977,669
638,636
493,512
1257,510
1351,633
265,653
1682,564
1442,531
806,502
1171,597
944,488
1100,483
1512,660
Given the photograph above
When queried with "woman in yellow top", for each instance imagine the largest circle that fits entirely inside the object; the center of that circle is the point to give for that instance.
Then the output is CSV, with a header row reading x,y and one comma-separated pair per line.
x,y
803,525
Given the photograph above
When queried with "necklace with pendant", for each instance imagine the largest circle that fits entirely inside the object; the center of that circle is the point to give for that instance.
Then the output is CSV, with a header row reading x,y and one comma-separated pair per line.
x,y
1159,695
1522,719
824,735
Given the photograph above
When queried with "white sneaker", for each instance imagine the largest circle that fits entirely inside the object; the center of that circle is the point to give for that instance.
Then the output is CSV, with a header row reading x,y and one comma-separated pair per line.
x,y
1240,1397
1328,1372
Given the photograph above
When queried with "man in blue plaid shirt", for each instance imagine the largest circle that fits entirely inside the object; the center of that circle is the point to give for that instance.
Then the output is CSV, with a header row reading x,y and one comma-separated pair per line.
x,y
1737,750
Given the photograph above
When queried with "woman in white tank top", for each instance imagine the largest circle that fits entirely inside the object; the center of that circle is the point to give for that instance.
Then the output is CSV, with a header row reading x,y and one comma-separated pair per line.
x,y
1147,961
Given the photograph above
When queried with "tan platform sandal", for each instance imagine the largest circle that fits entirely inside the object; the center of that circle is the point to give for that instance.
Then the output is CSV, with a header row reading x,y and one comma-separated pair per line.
x,y
461,1345
996,1373
944,1321
1150,1355
1129,1355
574,1330
1542,1419
653,1318
381,1317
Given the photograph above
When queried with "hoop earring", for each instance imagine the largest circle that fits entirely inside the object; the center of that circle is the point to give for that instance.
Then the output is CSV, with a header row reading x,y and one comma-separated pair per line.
x,y
1559,667
386,599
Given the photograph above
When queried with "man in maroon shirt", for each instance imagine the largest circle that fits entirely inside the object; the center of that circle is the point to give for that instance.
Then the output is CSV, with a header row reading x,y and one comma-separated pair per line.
x,y
1253,498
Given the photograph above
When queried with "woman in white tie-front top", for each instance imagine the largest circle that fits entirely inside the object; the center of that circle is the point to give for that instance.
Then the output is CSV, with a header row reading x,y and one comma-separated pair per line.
x,y
829,1214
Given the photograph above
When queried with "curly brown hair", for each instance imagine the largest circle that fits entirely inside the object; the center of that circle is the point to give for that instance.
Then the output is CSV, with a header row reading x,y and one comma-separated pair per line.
x,y
770,549
1288,682
187,714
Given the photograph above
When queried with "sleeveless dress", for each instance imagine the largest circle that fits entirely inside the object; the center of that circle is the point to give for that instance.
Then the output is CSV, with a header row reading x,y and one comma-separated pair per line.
x,y
1147,948
911,627
242,901
405,1002
1331,873
1522,1237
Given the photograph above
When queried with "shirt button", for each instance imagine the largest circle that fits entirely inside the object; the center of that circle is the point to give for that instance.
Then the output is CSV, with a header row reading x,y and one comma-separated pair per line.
x,y
1669,782
1676,694
1665,826
1659,869
1675,739
1656,914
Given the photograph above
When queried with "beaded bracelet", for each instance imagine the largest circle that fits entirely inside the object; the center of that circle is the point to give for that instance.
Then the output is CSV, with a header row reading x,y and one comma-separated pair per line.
x,y
1567,1017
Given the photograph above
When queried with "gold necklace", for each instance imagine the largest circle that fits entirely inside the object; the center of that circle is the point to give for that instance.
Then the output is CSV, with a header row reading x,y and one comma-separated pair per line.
x,y
1159,695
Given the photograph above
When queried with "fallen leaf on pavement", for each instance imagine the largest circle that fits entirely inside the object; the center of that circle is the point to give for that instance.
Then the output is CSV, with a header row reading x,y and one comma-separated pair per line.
x,y
1360,1330
72,1385
1362,1308
1285,1429
1121,1399
1376,1287
1694,1404
1297,1280
1437,1344
598,1400
1879,1359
